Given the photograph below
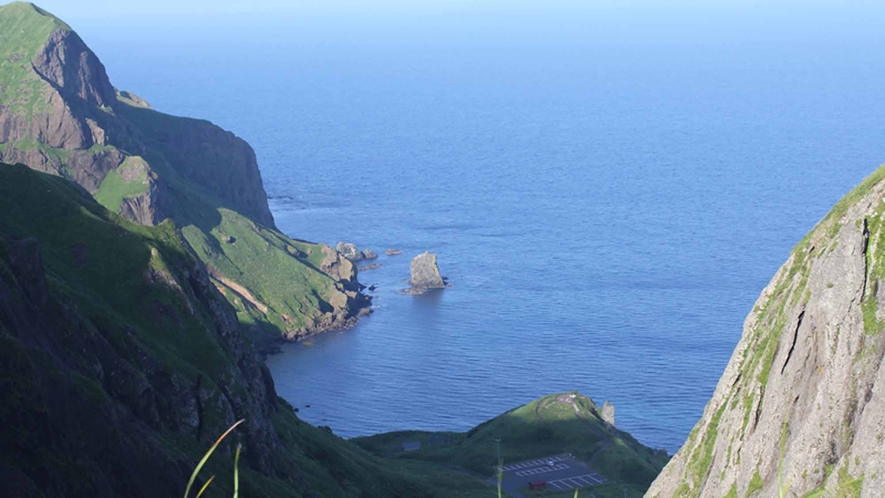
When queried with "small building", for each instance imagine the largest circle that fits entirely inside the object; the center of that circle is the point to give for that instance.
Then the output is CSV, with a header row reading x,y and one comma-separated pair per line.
x,y
537,485
412,446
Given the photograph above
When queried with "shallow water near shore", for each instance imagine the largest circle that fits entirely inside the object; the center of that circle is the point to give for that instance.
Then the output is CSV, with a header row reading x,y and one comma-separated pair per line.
x,y
607,219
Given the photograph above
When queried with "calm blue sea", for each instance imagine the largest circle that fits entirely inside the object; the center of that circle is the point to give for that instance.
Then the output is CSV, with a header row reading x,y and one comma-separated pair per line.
x,y
607,212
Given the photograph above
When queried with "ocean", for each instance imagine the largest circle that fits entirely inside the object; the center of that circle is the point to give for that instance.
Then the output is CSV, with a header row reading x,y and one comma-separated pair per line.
x,y
606,211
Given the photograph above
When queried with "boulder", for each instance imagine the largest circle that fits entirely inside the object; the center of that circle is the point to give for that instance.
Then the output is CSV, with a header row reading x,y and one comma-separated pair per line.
x,y
425,274
369,254
349,251
608,413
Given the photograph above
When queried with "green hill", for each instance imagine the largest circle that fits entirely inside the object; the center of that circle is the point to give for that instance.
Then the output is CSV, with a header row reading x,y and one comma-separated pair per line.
x,y
554,424
60,114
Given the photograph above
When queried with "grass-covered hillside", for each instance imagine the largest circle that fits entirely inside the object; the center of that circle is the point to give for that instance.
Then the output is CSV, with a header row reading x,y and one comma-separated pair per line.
x,y
22,36
120,363
60,114
555,424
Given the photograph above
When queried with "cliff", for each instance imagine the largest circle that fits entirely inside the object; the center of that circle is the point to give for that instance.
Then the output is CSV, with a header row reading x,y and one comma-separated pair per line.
x,y
799,408
120,363
60,114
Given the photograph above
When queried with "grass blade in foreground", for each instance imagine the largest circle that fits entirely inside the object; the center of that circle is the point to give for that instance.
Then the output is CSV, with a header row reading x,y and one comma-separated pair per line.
x,y
237,471
203,489
193,478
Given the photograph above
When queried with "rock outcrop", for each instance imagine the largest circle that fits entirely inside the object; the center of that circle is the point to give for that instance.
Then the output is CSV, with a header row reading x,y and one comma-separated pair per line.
x,y
425,274
801,405
608,413
349,251
369,254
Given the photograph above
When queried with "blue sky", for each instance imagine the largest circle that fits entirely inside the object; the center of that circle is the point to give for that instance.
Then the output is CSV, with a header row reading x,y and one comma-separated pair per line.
x,y
542,21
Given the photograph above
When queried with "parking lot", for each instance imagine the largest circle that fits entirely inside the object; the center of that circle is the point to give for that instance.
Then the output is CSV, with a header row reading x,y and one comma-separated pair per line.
x,y
560,472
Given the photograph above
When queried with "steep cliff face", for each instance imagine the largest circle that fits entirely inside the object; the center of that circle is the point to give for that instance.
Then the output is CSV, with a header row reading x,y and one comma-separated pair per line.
x,y
56,99
801,405
60,114
120,363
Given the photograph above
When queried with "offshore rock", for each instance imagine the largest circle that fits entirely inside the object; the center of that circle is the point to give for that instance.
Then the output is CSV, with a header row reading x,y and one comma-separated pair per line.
x,y
425,274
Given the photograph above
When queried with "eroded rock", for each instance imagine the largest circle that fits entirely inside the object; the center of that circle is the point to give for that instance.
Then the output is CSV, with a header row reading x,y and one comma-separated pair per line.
x,y
349,251
425,274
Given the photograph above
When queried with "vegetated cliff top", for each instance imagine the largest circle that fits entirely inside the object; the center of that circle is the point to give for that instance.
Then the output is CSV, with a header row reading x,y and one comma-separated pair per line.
x,y
60,114
24,29
801,405
121,364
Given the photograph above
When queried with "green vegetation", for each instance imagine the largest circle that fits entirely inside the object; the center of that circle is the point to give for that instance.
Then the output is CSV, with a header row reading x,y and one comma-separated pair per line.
x,y
848,486
128,326
287,290
24,28
554,424
755,485
115,187
206,182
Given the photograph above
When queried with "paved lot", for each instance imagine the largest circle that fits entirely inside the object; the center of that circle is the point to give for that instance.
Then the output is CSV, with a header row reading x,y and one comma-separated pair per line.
x,y
565,473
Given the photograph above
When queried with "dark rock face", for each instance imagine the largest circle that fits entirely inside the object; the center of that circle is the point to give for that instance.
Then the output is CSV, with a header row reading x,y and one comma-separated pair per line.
x,y
69,66
207,156
142,396
425,274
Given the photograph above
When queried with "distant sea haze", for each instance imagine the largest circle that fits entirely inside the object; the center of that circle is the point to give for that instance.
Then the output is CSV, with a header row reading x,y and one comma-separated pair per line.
x,y
607,217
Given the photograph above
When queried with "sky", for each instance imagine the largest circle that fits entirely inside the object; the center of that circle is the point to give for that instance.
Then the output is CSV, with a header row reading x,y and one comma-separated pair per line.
x,y
515,22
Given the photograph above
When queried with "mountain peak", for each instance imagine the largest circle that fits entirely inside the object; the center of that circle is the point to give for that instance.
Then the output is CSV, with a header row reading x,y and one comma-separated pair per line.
x,y
24,29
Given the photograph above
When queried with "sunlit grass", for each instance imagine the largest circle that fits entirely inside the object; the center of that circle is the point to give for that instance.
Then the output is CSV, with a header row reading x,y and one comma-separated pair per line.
x,y
205,458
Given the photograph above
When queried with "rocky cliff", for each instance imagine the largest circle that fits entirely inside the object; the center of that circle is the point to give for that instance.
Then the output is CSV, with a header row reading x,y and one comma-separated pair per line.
x,y
120,363
60,114
800,408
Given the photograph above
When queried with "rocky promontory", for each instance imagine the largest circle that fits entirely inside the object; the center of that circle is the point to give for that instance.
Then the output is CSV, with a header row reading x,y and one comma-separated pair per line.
x,y
60,114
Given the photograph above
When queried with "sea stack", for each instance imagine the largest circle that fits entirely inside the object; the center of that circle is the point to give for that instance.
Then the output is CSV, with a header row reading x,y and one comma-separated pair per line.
x,y
425,274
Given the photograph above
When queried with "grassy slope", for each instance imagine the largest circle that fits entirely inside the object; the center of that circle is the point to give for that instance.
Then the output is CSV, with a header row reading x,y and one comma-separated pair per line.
x,y
23,30
115,188
278,271
98,260
543,427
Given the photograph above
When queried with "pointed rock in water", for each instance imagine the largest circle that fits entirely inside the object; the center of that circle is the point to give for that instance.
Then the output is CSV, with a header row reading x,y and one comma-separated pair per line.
x,y
425,274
